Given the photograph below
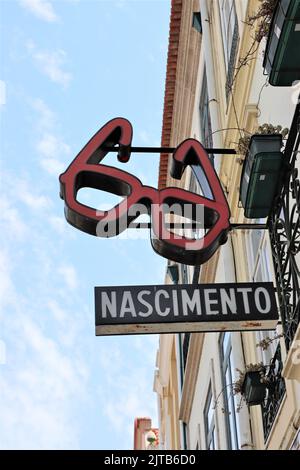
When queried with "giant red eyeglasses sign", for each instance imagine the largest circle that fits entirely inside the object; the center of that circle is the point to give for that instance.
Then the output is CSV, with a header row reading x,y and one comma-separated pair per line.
x,y
87,170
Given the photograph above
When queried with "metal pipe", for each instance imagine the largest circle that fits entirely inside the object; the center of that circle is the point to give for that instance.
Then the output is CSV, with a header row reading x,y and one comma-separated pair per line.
x,y
195,225
216,151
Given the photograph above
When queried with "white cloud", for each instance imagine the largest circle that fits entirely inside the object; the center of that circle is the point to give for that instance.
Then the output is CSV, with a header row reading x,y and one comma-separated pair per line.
x,y
148,352
56,310
44,378
134,396
51,63
49,354
19,189
111,359
11,220
6,284
34,201
42,9
36,411
43,382
2,92
52,166
60,225
144,136
69,275
50,147
47,117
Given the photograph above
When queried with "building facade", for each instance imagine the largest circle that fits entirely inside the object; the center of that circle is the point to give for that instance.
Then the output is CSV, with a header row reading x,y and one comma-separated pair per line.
x,y
217,93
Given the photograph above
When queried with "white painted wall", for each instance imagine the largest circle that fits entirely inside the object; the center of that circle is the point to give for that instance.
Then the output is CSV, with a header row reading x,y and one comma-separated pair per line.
x,y
276,104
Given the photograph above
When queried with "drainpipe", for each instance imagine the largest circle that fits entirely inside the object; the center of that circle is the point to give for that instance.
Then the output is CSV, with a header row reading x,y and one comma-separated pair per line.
x,y
211,82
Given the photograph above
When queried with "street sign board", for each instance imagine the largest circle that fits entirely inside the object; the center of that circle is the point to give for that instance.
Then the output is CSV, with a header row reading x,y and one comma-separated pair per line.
x,y
185,308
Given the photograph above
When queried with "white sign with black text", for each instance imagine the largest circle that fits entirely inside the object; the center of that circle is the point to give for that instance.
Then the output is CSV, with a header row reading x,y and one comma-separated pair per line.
x,y
182,308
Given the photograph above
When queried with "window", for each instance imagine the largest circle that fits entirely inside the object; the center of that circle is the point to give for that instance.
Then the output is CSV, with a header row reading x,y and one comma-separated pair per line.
x,y
205,137
185,347
230,35
260,268
263,273
184,274
205,121
209,420
194,187
228,25
184,338
229,400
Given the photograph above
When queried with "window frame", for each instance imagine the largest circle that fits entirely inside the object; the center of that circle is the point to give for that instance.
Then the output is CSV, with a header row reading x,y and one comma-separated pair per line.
x,y
204,113
226,365
229,22
260,270
210,427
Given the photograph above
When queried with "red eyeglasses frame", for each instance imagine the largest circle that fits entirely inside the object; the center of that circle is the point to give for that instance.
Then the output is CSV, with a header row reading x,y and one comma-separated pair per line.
x,y
87,171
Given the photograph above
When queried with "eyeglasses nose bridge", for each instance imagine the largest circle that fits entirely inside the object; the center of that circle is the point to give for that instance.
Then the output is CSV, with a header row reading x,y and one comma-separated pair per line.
x,y
149,197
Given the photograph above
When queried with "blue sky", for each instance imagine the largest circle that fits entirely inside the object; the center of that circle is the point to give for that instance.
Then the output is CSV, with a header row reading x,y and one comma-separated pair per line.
x,y
67,67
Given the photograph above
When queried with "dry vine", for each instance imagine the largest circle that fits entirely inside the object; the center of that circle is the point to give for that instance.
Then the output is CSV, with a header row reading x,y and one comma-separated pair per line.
x,y
237,385
244,141
265,343
260,22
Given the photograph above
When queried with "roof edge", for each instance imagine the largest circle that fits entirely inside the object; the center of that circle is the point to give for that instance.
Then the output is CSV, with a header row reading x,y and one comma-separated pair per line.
x,y
170,84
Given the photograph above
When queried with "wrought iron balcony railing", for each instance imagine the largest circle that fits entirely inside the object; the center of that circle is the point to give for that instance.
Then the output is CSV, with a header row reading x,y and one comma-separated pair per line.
x,y
284,229
275,392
